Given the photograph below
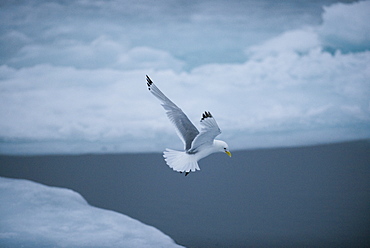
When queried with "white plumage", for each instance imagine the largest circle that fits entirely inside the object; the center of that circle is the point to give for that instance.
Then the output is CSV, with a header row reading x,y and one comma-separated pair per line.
x,y
197,145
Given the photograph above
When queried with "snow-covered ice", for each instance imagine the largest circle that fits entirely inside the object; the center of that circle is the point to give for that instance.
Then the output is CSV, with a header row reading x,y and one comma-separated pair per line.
x,y
35,215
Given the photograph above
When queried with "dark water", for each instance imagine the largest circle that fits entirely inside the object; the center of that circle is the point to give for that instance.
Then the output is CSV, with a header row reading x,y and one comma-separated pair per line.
x,y
298,197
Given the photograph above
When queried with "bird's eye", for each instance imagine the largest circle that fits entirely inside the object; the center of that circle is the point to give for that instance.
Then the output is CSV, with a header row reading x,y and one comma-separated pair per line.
x,y
225,148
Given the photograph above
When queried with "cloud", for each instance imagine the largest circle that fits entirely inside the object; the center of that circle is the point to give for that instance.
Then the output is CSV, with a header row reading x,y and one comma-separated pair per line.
x,y
345,26
86,95
102,52
149,58
195,32
99,52
111,110
297,41
297,88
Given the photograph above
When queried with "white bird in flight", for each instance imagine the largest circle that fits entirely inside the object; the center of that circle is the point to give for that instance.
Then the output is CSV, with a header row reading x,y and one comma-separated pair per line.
x,y
197,145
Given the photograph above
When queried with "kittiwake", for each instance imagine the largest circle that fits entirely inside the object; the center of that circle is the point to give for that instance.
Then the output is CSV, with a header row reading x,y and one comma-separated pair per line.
x,y
197,145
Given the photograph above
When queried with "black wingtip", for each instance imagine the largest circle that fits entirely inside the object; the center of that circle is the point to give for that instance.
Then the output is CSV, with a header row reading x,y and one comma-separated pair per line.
x,y
149,81
206,114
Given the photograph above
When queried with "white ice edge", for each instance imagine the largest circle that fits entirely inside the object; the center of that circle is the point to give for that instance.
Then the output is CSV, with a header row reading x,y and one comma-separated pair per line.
x,y
35,215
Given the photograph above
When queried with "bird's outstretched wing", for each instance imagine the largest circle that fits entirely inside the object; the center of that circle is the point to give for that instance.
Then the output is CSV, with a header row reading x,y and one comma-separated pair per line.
x,y
185,129
207,134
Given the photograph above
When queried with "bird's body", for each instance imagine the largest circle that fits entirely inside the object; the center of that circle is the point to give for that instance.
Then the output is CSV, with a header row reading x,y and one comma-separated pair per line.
x,y
197,145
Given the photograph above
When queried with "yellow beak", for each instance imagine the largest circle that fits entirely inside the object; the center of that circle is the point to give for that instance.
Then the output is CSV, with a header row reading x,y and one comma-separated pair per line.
x,y
228,153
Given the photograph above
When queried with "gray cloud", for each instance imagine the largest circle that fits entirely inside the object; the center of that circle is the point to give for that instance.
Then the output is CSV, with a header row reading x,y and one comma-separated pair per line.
x,y
196,32
61,91
353,34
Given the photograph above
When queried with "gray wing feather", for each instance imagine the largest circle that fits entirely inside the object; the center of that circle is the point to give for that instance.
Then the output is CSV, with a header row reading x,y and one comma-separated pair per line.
x,y
207,134
184,128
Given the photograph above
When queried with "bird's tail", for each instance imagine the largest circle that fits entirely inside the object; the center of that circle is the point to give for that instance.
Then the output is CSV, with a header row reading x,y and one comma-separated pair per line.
x,y
180,161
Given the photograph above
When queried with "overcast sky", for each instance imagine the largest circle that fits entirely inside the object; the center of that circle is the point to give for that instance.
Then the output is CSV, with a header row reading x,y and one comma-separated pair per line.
x,y
273,73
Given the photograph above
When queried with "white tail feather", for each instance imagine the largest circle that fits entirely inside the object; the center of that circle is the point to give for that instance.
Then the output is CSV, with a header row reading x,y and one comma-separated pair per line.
x,y
180,161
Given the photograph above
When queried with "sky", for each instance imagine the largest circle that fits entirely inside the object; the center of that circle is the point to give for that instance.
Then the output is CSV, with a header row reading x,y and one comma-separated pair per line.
x,y
35,215
272,73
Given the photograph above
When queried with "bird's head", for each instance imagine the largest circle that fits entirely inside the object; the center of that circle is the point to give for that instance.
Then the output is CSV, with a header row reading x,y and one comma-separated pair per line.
x,y
222,147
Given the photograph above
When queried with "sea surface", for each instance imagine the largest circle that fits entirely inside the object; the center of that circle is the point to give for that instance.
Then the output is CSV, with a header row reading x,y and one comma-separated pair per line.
x,y
317,196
